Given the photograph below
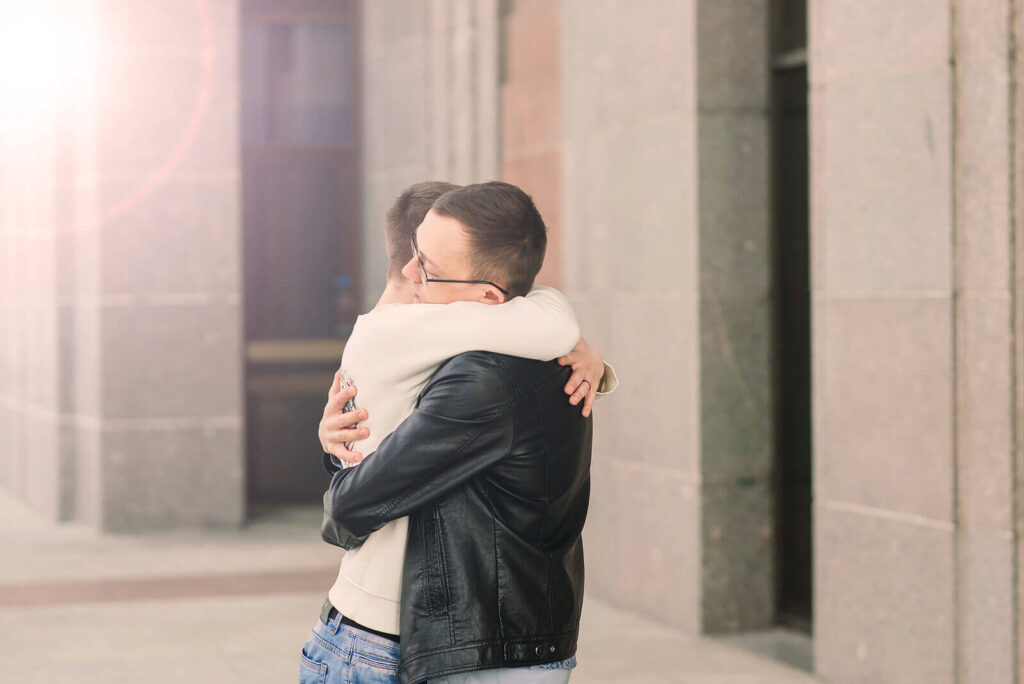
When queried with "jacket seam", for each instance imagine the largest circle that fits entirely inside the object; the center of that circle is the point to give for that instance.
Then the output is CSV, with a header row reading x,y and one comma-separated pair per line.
x,y
497,575
446,587
547,492
494,524
509,377
547,455
428,591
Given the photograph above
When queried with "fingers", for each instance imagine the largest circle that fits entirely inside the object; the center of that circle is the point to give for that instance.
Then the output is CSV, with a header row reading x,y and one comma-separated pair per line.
x,y
348,435
339,429
574,382
337,402
338,441
342,429
588,404
579,390
344,455
351,457
339,421
564,360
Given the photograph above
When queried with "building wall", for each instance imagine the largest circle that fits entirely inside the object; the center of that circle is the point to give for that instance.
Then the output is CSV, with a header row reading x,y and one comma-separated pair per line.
x,y
453,90
665,254
29,387
395,136
1017,140
531,115
430,106
122,391
913,138
630,265
36,160
986,417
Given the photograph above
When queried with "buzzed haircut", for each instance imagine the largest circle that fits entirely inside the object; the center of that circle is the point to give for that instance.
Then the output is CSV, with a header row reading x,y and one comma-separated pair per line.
x,y
507,235
404,216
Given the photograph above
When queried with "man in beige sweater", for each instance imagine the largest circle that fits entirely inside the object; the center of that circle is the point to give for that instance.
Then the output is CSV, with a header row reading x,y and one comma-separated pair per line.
x,y
389,373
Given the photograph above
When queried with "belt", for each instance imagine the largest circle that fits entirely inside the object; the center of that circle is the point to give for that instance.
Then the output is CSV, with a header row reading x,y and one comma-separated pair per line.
x,y
328,612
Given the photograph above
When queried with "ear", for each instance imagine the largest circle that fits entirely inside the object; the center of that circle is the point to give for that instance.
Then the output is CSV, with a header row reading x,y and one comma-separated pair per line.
x,y
492,295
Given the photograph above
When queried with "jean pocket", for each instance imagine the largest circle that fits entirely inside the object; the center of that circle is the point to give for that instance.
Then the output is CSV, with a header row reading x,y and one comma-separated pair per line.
x,y
374,663
371,670
310,671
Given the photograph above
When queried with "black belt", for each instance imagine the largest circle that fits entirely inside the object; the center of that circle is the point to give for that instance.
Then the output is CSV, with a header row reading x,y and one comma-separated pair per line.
x,y
329,612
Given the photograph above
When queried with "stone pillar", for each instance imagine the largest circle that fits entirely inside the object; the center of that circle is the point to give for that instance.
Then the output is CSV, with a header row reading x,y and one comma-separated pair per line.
x,y
666,256
1017,188
35,450
430,106
29,393
986,543
158,335
737,432
881,102
396,130
914,142
630,265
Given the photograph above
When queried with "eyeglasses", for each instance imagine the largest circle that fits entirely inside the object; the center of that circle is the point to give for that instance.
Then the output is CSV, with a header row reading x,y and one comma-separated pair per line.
x,y
428,279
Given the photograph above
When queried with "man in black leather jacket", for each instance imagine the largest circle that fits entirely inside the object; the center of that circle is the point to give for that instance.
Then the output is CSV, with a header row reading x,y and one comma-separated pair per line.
x,y
493,470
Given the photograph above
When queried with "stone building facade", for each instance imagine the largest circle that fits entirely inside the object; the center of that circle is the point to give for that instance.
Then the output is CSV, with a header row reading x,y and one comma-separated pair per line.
x,y
654,140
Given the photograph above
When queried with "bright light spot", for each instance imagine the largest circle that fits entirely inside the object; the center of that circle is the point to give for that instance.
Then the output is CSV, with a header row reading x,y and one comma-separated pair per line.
x,y
47,61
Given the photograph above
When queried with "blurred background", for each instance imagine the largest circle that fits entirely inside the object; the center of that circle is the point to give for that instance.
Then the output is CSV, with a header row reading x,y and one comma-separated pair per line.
x,y
794,227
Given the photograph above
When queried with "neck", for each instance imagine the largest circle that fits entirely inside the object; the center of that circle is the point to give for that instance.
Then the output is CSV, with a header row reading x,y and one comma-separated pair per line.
x,y
397,291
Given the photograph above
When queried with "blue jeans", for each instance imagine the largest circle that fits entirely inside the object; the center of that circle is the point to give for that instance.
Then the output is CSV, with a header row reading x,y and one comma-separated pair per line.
x,y
558,673
342,654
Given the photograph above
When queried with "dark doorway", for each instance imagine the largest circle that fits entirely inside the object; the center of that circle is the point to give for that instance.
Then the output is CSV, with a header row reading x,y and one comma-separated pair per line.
x,y
792,314
300,231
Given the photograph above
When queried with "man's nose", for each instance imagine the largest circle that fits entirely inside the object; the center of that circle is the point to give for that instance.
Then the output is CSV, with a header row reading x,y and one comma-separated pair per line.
x,y
411,271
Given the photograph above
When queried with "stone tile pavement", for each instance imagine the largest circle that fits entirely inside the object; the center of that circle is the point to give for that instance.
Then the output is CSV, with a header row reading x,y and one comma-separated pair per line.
x,y
236,605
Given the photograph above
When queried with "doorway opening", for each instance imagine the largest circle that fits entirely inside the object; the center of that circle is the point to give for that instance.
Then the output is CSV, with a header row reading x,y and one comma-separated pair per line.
x,y
792,338
300,197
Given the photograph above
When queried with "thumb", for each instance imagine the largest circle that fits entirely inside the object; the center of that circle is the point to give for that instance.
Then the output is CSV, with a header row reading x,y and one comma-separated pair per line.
x,y
336,385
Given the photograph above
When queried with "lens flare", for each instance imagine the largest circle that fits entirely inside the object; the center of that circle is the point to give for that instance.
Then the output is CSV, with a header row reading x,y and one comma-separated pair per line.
x,y
47,61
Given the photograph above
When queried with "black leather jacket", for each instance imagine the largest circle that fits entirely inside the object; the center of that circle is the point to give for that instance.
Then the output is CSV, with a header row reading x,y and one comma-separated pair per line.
x,y
493,470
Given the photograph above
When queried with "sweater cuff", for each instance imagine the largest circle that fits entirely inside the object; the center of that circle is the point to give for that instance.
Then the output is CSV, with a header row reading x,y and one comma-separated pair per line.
x,y
609,381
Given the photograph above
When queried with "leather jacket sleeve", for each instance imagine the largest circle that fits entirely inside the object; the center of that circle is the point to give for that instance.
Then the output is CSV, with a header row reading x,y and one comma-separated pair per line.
x,y
331,463
463,423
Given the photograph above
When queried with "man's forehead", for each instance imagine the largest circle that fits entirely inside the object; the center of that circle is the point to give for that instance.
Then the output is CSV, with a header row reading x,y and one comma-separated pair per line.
x,y
441,237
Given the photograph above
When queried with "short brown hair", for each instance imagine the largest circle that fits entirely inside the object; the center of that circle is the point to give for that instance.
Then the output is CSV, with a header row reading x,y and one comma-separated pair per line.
x,y
506,232
404,216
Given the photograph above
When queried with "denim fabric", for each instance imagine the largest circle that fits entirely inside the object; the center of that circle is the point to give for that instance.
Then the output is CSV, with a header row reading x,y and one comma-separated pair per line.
x,y
566,664
511,675
342,654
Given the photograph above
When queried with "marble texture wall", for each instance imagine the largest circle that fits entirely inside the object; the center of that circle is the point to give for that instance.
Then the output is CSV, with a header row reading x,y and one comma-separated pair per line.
x,y
916,361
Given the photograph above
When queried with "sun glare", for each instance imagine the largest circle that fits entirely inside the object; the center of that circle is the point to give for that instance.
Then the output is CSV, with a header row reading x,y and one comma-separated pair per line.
x,y
47,60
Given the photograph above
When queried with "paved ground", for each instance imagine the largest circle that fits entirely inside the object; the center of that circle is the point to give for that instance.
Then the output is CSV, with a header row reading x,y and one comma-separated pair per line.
x,y
235,606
